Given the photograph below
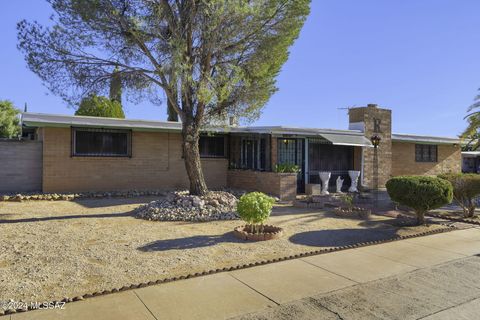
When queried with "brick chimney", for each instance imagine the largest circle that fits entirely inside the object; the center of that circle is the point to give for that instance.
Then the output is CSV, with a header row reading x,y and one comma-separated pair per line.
x,y
373,120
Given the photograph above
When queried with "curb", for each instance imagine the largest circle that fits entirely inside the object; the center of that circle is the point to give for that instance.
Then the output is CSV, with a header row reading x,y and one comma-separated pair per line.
x,y
464,220
236,267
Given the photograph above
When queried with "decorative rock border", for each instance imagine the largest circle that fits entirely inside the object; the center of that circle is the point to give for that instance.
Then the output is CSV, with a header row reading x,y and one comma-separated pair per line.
x,y
447,217
84,195
237,267
269,233
353,212
31,196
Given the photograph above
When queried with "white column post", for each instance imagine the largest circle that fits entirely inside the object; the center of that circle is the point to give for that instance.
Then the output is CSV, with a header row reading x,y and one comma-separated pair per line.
x,y
362,182
306,161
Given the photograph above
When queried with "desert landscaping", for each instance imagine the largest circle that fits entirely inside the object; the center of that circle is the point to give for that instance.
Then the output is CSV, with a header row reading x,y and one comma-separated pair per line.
x,y
52,250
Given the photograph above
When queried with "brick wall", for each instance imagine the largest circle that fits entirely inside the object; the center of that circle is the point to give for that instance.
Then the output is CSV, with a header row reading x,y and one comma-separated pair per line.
x,y
20,166
357,158
449,160
156,163
273,151
376,121
281,185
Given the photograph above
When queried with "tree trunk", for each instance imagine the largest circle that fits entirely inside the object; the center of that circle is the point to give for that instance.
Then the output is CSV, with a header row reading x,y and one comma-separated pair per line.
x,y
468,207
420,218
172,114
191,153
471,211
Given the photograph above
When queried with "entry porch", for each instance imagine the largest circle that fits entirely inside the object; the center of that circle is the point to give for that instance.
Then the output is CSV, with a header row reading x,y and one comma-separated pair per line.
x,y
334,152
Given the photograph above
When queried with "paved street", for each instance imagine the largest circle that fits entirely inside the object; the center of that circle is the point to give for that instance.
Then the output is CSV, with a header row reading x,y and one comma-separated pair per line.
x,y
433,277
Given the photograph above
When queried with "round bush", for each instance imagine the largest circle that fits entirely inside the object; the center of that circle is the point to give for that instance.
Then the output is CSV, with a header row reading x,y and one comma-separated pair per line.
x,y
421,193
255,207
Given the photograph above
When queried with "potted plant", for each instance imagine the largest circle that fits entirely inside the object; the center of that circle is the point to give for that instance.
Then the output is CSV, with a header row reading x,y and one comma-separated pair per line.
x,y
254,208
287,168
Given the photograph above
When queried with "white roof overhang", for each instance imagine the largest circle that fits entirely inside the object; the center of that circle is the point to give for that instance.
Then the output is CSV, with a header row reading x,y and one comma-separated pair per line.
x,y
347,140
424,139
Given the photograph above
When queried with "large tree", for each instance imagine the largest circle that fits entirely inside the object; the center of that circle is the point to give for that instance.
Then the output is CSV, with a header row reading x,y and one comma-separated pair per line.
x,y
210,59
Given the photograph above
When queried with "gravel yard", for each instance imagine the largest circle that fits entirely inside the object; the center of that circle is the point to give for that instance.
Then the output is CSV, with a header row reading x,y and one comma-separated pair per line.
x,y
51,250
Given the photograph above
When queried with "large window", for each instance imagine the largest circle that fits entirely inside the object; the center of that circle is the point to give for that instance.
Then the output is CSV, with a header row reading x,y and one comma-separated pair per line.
x,y
212,146
425,153
249,151
253,153
92,142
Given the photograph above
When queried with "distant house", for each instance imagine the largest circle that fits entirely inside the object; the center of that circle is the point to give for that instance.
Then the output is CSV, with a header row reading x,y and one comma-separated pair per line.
x,y
99,154
471,161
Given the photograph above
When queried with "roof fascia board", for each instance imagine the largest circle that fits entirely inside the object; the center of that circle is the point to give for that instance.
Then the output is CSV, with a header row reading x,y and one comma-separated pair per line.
x,y
419,141
69,125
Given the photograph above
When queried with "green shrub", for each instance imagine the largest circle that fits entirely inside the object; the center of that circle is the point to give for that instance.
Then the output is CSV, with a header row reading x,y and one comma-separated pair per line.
x,y
347,199
254,208
287,168
466,188
98,106
420,193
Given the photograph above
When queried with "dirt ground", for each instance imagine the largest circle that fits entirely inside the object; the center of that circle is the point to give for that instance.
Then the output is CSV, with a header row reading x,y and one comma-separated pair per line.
x,y
51,250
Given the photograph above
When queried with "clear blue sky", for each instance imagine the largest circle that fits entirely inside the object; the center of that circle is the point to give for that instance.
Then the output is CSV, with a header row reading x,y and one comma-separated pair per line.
x,y
421,58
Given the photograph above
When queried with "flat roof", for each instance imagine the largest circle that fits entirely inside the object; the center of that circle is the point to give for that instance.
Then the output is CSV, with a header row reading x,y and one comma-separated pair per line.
x,y
282,130
53,120
424,139
346,137
337,137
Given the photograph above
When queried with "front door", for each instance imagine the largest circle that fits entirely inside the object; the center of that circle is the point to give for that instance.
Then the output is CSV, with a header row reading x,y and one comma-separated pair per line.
x,y
291,151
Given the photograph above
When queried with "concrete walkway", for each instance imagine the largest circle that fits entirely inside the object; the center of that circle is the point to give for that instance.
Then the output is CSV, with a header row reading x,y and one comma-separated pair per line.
x,y
251,290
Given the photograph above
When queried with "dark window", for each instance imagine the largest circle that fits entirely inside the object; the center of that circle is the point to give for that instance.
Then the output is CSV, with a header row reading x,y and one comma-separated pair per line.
x,y
425,153
254,153
290,151
250,154
263,154
212,147
101,142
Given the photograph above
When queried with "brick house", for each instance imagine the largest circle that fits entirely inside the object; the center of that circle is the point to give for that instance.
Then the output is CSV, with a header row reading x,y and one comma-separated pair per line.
x,y
101,154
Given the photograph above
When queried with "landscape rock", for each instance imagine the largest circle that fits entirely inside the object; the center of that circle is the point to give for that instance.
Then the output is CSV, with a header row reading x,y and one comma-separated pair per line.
x,y
181,206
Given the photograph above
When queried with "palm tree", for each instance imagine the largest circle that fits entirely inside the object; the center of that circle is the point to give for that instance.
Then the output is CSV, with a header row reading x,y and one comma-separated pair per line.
x,y
472,133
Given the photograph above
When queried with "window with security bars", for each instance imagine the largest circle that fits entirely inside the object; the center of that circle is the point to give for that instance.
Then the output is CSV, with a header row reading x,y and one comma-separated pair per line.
x,y
93,142
212,147
426,153
290,151
249,151
253,153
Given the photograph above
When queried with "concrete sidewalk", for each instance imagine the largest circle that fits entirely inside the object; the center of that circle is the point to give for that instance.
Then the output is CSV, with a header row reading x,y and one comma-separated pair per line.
x,y
235,293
